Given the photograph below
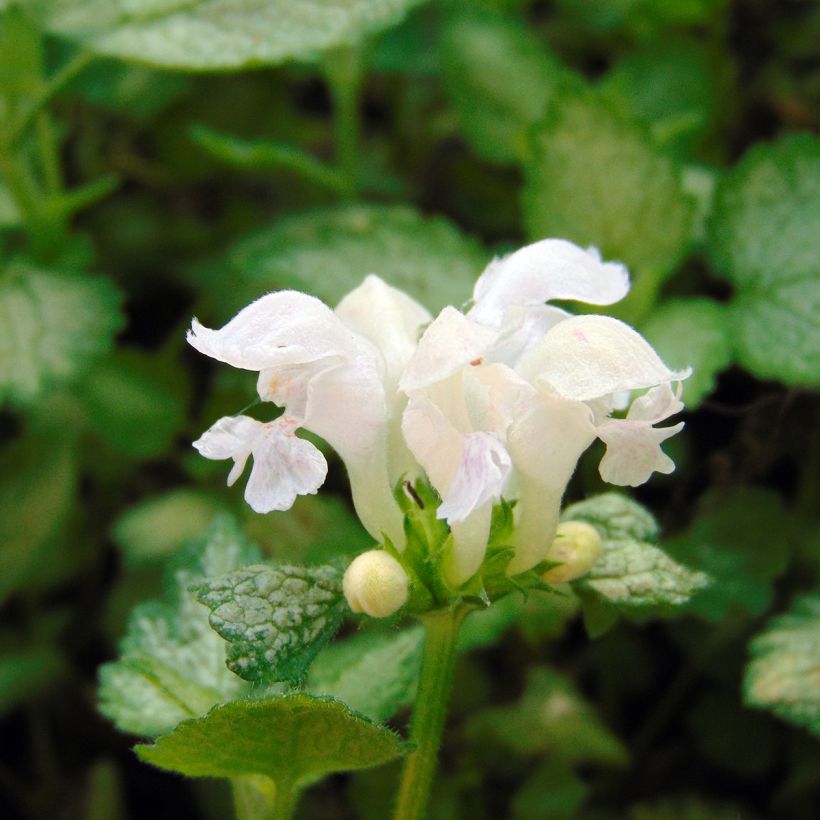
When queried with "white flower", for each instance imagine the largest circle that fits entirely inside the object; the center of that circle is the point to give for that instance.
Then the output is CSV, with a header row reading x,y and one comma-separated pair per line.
x,y
334,373
503,400
500,401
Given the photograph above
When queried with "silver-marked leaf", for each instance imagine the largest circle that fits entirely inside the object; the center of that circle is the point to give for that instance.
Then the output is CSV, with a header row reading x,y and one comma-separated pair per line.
x,y
275,618
765,237
172,664
784,674
633,573
294,739
373,673
54,326
213,35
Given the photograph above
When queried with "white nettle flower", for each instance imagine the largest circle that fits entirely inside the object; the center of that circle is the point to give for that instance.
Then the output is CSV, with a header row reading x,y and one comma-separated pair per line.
x,y
499,401
505,398
335,374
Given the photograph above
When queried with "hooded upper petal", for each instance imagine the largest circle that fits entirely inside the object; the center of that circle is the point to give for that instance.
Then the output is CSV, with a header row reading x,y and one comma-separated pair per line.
x,y
588,357
282,328
546,270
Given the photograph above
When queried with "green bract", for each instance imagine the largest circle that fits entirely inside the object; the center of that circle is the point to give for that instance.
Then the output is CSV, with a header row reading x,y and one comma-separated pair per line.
x,y
172,664
784,674
54,326
765,237
275,618
208,35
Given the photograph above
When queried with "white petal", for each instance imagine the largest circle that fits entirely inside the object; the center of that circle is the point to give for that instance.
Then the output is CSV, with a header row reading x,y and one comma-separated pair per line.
x,y
480,477
284,466
229,436
388,317
433,440
587,357
522,329
545,443
469,545
656,405
451,342
546,270
633,451
281,328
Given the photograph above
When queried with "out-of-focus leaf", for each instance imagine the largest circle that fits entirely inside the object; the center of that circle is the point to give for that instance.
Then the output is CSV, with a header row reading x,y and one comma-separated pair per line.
x,y
596,178
732,737
293,739
21,65
172,664
328,252
104,798
765,237
373,673
213,35
36,494
317,529
275,618
688,807
9,212
499,78
633,572
135,403
554,790
692,332
133,90
670,85
54,326
550,717
741,539
25,673
155,527
784,673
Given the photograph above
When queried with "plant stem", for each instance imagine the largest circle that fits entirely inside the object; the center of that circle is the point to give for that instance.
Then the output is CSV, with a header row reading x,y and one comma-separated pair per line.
x,y
258,798
343,70
441,629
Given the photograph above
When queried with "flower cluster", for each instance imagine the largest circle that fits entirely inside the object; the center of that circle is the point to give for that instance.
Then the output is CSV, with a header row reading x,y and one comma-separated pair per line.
x,y
500,400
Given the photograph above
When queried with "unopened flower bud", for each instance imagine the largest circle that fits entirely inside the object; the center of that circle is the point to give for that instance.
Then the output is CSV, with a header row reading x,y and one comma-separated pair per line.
x,y
375,583
577,546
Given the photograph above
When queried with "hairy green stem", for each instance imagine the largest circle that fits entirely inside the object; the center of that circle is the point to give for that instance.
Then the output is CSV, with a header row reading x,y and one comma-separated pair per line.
x,y
441,630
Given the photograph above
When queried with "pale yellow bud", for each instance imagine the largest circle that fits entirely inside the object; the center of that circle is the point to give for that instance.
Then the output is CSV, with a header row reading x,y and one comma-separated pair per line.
x,y
577,546
375,583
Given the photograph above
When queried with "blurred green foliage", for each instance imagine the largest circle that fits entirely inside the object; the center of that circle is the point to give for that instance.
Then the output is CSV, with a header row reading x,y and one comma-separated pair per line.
x,y
147,174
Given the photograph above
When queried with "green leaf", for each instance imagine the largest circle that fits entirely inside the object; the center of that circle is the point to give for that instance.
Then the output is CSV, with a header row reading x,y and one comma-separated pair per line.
x,y
632,572
595,178
554,790
765,237
694,332
36,495
784,673
172,664
54,327
670,86
688,807
499,77
213,35
293,739
25,673
373,673
136,403
155,527
550,717
328,252
275,618
741,539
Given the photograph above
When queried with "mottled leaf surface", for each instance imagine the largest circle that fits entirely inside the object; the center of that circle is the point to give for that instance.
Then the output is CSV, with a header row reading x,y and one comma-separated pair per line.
x,y
275,618
784,673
